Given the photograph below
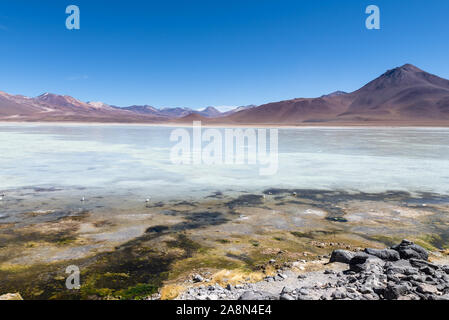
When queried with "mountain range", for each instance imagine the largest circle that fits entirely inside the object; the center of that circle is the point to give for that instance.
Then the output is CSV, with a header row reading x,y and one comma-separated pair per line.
x,y
404,95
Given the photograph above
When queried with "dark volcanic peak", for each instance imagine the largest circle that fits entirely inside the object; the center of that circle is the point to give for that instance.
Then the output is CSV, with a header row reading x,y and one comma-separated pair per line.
x,y
402,93
409,67
405,76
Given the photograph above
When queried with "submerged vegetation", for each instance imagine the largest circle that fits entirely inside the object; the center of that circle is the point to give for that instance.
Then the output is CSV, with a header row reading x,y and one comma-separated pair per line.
x,y
237,235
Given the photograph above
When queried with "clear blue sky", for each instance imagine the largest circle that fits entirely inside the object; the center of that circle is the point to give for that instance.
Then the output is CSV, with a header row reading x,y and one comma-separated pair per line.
x,y
198,53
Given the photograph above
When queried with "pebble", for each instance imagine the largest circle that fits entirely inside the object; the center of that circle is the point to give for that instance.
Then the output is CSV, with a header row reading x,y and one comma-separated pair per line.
x,y
197,278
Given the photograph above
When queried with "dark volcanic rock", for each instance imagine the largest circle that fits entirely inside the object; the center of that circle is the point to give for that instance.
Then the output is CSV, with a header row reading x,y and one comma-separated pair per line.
x,y
384,254
401,273
362,262
407,250
342,256
422,263
393,292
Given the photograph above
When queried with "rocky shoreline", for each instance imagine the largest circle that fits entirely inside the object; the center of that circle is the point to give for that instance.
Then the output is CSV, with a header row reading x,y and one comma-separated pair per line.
x,y
401,272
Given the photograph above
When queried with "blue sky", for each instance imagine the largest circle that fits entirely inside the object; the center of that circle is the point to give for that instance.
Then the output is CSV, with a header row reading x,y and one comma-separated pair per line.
x,y
198,53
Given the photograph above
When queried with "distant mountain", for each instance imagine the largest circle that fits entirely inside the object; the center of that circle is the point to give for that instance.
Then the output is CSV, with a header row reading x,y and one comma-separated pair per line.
x,y
100,105
334,94
188,119
163,112
175,112
12,106
291,112
209,112
142,109
53,107
227,113
404,95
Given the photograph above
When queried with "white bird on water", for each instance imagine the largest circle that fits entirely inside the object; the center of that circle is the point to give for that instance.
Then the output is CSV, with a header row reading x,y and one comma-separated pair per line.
x,y
148,200
82,199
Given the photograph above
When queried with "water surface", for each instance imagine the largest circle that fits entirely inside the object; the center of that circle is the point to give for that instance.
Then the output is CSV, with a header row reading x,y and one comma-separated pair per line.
x,y
133,161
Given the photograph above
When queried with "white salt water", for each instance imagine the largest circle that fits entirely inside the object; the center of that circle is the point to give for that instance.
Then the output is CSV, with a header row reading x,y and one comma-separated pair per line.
x,y
134,161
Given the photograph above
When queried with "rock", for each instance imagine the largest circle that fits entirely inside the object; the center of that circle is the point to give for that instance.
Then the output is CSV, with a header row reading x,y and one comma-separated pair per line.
x,y
353,296
286,296
338,295
366,290
445,269
409,297
393,278
11,296
283,276
351,290
384,254
422,263
197,278
287,290
427,270
392,274
359,258
342,256
257,295
393,292
417,278
407,250
410,271
363,262
427,289
304,298
303,292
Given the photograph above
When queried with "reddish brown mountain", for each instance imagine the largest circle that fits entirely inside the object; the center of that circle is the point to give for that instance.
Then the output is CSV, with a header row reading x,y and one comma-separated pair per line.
x,y
405,95
52,107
